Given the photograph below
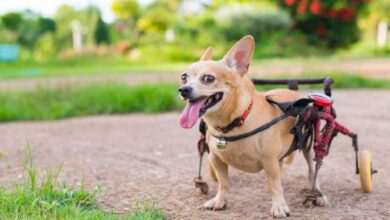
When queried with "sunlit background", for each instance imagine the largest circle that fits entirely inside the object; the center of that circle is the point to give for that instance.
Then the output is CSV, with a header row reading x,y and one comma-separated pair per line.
x,y
177,30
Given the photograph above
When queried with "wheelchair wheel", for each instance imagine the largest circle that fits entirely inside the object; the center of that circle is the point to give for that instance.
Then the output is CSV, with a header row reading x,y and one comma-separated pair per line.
x,y
366,171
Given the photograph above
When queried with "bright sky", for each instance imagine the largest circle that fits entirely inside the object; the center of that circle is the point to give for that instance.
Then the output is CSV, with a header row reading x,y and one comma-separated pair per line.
x,y
49,7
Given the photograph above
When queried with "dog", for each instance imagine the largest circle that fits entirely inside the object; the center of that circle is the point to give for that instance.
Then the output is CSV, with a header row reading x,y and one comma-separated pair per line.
x,y
219,92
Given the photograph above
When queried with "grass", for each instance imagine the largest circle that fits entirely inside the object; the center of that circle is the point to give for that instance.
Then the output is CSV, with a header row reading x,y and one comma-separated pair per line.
x,y
48,199
48,104
83,66
346,81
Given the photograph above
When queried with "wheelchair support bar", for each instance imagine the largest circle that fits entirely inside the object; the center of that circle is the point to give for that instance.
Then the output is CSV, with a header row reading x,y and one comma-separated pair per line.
x,y
293,83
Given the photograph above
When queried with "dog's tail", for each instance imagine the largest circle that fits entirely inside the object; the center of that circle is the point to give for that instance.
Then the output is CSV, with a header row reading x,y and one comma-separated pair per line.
x,y
289,159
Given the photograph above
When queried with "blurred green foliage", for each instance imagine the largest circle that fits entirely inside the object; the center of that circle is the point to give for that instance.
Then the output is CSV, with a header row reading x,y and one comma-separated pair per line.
x,y
66,16
46,25
378,10
125,9
235,21
27,28
101,33
11,21
172,31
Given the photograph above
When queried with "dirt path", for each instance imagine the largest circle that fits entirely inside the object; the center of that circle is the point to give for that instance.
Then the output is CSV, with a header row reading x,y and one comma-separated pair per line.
x,y
138,156
373,68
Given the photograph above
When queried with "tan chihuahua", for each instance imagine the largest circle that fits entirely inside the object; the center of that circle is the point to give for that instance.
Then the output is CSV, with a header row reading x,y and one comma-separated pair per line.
x,y
219,92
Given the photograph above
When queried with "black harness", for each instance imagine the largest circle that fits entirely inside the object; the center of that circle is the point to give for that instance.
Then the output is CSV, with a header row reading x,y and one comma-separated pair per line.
x,y
302,130
253,132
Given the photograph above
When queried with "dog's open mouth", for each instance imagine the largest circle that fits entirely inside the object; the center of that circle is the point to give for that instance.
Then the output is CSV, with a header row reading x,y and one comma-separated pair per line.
x,y
196,108
210,102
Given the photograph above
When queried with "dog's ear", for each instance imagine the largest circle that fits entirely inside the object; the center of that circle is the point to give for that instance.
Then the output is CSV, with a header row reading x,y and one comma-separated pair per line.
x,y
207,54
239,56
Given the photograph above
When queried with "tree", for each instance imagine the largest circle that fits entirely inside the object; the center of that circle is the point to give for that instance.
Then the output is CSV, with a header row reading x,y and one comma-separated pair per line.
x,y
378,10
27,27
158,17
12,21
64,17
151,22
125,9
46,25
127,12
101,34
29,31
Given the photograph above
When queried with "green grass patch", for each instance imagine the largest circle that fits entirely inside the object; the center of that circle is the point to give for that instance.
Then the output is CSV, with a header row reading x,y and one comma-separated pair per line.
x,y
31,198
84,66
47,104
355,81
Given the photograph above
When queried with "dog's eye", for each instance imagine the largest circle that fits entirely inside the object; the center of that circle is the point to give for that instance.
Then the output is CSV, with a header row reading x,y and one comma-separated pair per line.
x,y
208,78
184,78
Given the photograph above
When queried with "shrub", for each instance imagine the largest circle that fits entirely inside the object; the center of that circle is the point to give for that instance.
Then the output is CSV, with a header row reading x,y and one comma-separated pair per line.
x,y
332,21
236,21
201,30
45,46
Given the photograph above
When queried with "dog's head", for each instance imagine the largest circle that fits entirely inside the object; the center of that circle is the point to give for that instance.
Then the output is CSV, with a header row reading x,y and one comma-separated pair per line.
x,y
211,87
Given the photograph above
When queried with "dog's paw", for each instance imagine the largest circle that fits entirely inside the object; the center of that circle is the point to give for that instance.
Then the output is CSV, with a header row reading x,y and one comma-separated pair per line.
x,y
321,201
215,204
315,198
280,210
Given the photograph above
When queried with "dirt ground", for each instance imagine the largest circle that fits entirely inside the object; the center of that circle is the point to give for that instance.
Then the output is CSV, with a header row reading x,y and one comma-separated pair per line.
x,y
136,157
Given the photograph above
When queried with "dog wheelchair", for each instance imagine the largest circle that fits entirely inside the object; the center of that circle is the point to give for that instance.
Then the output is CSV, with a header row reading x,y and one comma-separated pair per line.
x,y
308,132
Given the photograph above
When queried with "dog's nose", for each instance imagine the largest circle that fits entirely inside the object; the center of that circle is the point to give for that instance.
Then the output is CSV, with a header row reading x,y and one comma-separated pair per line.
x,y
185,91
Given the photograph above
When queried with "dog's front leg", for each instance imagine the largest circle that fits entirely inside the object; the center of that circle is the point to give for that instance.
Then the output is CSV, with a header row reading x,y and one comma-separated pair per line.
x,y
221,169
279,206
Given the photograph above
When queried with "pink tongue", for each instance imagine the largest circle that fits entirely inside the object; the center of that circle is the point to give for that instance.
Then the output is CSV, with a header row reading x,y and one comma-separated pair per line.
x,y
190,114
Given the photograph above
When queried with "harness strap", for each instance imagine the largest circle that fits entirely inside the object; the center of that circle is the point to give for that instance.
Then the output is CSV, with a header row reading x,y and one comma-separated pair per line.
x,y
253,132
302,131
202,144
237,122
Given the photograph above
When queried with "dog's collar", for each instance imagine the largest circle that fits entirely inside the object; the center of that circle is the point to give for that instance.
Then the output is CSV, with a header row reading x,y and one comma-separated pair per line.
x,y
237,122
